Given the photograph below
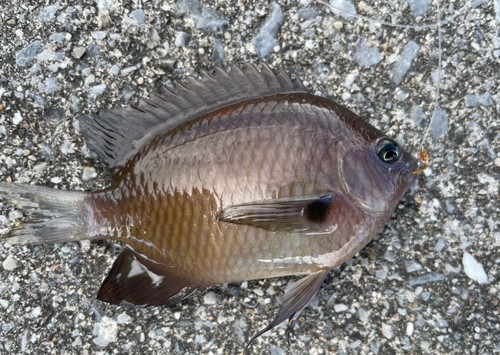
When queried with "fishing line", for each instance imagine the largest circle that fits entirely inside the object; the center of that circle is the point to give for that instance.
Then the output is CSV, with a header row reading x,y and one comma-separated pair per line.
x,y
438,24
398,25
438,86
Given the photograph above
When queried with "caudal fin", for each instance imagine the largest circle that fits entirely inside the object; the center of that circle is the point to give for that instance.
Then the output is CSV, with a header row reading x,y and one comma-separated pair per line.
x,y
51,216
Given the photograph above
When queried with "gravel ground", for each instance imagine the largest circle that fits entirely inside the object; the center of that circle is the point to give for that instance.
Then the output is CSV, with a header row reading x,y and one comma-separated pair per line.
x,y
416,289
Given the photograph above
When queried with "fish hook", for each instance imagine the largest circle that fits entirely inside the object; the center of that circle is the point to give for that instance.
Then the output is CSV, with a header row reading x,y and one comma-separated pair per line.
x,y
424,157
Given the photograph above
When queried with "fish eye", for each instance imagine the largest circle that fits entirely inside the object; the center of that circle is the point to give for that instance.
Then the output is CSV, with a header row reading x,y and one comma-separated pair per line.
x,y
388,151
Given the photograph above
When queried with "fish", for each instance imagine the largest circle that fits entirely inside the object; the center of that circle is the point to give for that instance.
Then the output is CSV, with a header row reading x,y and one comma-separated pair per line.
x,y
230,176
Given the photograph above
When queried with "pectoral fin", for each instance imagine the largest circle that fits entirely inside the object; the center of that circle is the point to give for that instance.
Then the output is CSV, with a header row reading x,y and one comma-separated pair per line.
x,y
295,300
306,215
136,281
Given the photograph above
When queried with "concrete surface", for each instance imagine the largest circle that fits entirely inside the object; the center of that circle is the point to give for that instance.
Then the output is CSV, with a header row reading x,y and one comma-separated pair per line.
x,y
406,293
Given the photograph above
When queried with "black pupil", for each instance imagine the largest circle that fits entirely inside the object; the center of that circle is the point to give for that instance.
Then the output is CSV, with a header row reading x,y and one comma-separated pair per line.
x,y
388,151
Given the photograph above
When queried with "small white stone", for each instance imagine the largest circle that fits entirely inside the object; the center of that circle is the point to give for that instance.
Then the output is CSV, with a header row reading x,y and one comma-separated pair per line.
x,y
409,329
364,314
364,7
4,304
98,34
340,308
473,269
106,330
55,180
338,25
17,118
210,298
387,331
9,263
36,312
497,161
89,173
124,318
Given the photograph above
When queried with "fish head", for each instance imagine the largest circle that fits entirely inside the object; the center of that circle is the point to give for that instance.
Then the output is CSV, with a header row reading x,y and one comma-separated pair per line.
x,y
374,171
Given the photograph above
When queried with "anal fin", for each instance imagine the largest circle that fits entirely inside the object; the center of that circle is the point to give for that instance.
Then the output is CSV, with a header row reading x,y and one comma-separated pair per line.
x,y
136,281
296,298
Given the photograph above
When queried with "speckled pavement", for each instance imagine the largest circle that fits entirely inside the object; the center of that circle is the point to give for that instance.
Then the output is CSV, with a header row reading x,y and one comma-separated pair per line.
x,y
408,292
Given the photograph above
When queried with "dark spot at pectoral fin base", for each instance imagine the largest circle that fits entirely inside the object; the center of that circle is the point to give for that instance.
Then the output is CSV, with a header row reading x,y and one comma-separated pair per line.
x,y
295,300
136,281
119,133
307,215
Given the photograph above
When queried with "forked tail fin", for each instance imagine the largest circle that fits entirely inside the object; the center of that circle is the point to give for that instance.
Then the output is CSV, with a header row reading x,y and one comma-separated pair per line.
x,y
51,216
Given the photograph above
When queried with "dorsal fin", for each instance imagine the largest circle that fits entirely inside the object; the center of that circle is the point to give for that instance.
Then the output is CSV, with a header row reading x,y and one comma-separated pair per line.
x,y
119,133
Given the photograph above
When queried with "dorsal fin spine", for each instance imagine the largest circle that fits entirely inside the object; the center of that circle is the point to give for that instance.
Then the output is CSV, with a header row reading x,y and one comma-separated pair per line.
x,y
130,128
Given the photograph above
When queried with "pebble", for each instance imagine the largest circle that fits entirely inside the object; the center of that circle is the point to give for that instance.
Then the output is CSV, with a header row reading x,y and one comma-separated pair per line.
x,y
129,70
36,311
26,55
418,116
412,266
204,17
266,40
97,90
307,13
52,85
364,314
7,327
404,61
89,173
366,55
427,278
218,51
9,263
139,15
484,99
140,80
340,308
419,7
364,7
182,39
210,298
439,124
17,118
347,6
48,12
55,180
98,34
387,331
124,318
106,332
473,269
78,52
409,329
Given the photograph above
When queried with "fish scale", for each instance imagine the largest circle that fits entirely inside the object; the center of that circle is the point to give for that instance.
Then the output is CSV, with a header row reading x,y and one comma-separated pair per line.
x,y
235,176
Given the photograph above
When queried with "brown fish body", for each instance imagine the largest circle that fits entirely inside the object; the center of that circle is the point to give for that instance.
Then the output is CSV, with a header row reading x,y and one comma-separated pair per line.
x,y
263,180
165,201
